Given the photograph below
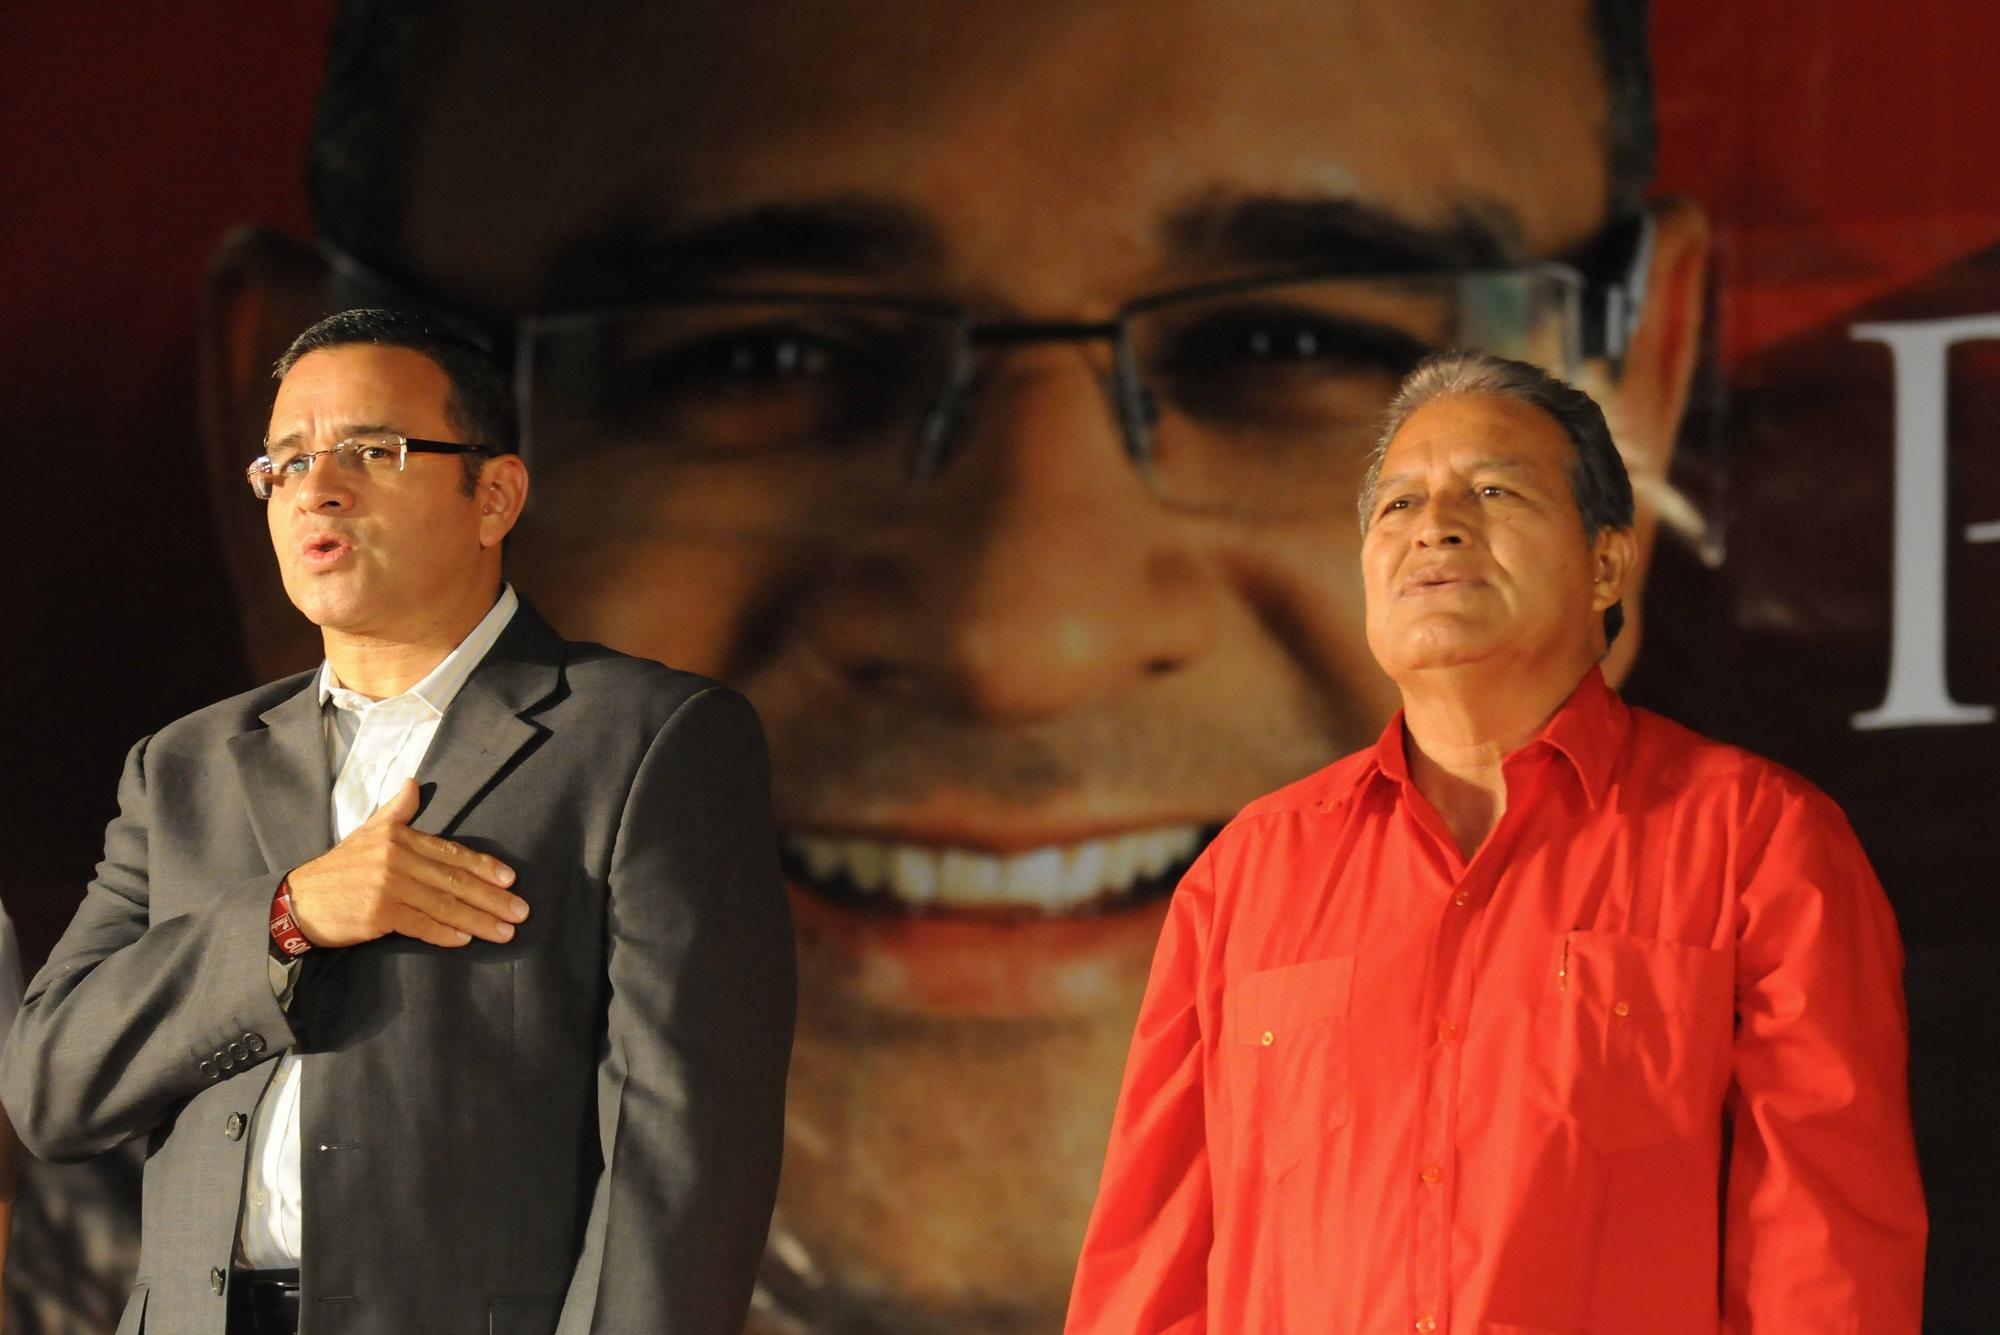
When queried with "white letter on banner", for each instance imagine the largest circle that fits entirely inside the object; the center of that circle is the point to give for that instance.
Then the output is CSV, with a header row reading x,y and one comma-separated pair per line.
x,y
1918,694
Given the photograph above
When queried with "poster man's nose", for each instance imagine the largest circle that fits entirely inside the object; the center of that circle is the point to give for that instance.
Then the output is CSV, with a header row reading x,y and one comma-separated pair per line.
x,y
1040,575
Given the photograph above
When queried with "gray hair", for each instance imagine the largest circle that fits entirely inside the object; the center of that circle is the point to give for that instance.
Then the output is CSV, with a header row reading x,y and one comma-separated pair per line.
x,y
1598,482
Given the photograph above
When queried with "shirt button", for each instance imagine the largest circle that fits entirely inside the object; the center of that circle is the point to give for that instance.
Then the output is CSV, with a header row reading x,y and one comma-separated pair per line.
x,y
1622,1008
215,1279
1427,1324
1461,899
1431,1173
258,1197
233,1128
1447,1031
1269,1038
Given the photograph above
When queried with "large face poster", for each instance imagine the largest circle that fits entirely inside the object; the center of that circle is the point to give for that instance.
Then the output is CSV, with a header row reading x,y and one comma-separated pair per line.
x,y
985,394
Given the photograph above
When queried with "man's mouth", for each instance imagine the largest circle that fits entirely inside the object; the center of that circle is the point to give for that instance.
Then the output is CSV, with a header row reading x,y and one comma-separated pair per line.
x,y
323,551
1108,871
1435,580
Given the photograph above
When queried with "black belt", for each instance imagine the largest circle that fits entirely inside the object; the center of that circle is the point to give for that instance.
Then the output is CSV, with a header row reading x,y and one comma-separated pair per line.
x,y
264,1302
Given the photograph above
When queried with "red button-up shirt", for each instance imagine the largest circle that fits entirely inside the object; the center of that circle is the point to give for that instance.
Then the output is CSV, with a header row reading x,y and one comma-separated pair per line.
x,y
1638,1066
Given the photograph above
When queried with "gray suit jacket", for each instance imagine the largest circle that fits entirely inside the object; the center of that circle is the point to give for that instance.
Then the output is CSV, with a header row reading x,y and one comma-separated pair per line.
x,y
576,1131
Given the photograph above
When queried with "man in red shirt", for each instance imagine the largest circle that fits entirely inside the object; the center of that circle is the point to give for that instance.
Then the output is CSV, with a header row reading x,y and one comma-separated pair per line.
x,y
1544,1015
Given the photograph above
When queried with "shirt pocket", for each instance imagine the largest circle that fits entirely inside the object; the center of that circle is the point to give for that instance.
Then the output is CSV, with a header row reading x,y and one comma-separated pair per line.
x,y
1642,1034
1285,1059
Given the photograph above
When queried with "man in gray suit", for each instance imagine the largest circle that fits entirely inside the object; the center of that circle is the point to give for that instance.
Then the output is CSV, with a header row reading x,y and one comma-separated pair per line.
x,y
451,984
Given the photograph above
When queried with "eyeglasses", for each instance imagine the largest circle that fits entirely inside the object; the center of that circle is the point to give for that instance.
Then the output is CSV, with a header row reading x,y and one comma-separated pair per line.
x,y
787,412
368,457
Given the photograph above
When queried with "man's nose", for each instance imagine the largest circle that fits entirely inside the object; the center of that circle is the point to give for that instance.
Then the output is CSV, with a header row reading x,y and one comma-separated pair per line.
x,y
1038,576
325,485
1445,520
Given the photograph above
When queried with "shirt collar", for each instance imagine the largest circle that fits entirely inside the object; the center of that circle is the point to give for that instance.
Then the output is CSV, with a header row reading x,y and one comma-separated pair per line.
x,y
1587,731
440,686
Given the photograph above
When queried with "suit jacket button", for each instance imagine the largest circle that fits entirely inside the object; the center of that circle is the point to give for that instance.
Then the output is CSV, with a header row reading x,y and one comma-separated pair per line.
x,y
216,1279
233,1128
208,1069
254,1042
225,1062
238,1051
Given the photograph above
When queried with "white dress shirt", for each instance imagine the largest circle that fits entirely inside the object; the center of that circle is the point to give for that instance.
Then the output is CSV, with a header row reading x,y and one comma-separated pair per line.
x,y
372,746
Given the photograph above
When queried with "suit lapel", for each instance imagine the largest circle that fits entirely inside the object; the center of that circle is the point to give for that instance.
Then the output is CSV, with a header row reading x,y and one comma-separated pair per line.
x,y
485,727
287,790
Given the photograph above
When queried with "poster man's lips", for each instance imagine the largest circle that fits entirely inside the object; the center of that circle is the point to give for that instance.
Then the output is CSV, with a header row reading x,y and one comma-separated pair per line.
x,y
1053,879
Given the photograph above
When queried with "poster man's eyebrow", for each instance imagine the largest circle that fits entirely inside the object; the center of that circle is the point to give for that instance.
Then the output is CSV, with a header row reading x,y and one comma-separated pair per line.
x,y
837,237
1286,231
861,237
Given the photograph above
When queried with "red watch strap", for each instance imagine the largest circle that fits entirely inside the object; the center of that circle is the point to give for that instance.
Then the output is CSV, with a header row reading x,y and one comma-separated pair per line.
x,y
287,941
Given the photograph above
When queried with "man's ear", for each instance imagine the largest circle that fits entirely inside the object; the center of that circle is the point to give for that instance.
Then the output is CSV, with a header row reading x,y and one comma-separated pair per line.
x,y
1612,560
262,290
502,493
1645,402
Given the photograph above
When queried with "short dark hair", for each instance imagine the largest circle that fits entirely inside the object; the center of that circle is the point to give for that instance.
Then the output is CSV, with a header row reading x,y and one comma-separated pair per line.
x,y
480,405
1598,481
357,160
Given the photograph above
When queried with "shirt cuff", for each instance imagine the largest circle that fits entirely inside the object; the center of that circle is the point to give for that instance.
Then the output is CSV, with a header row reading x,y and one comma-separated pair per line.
x,y
284,977
288,942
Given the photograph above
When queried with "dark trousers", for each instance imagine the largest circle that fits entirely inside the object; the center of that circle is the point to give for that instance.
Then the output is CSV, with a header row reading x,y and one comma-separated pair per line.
x,y
264,1302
